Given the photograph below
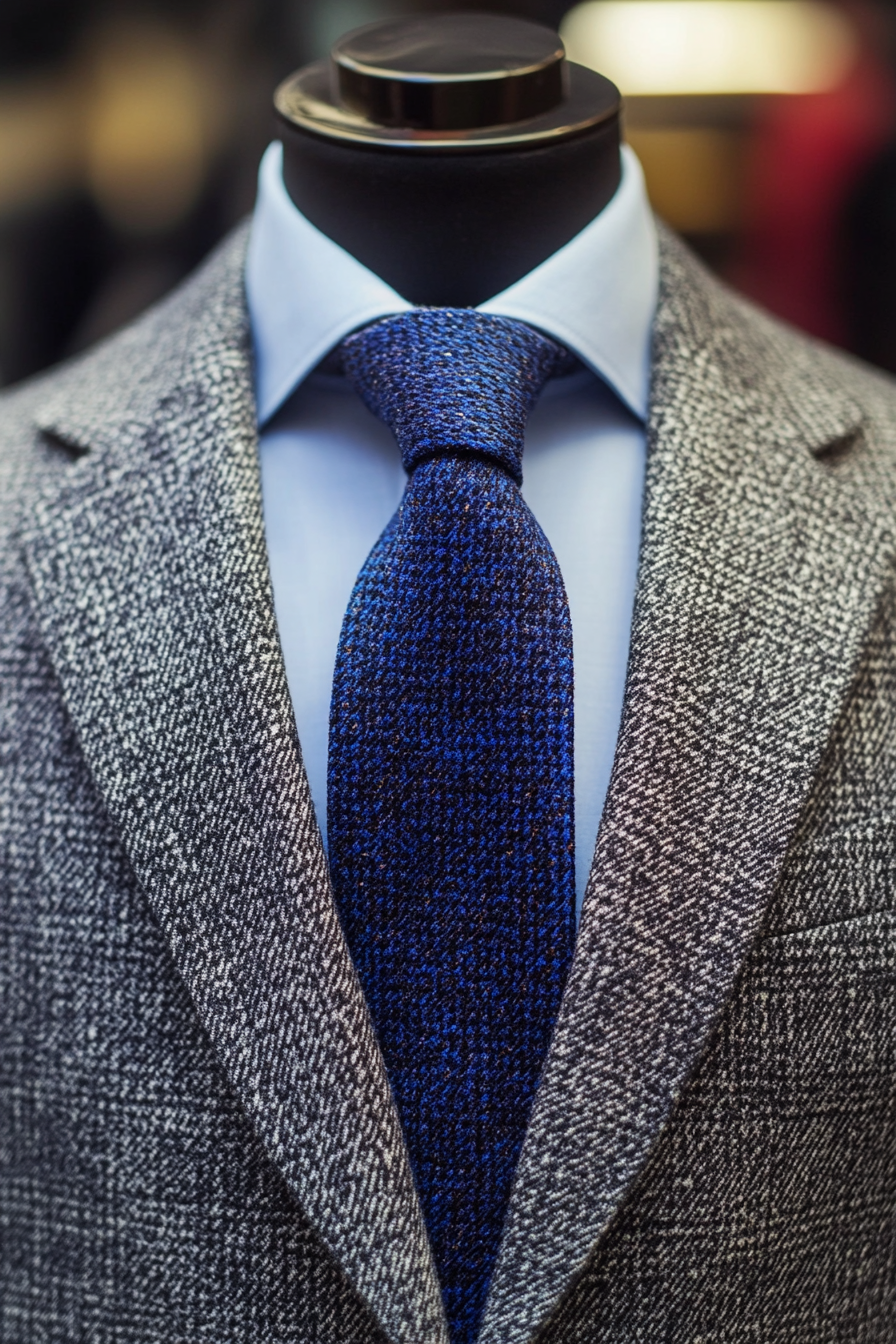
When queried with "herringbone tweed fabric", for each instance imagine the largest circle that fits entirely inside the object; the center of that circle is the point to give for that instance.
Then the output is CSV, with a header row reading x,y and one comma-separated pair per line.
x,y
197,1138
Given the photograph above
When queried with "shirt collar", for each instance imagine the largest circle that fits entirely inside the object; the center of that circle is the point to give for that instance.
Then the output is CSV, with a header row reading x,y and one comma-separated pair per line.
x,y
596,295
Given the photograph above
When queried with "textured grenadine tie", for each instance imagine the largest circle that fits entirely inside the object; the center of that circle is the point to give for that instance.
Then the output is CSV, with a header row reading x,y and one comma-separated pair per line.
x,y
450,793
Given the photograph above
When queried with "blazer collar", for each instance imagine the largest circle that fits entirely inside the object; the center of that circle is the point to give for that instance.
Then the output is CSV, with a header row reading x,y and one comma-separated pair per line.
x,y
148,561
763,556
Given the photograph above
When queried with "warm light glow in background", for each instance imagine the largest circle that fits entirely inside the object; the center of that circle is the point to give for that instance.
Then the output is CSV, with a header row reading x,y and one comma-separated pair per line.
x,y
711,46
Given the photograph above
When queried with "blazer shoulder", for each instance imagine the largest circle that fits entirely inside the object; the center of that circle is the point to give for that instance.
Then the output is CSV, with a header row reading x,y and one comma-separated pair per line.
x,y
120,379
775,366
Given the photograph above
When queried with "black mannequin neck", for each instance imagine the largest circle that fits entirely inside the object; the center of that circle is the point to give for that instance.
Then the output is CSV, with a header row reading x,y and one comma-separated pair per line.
x,y
451,229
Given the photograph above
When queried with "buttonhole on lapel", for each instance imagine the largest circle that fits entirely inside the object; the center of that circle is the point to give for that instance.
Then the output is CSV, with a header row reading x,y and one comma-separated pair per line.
x,y
71,446
838,450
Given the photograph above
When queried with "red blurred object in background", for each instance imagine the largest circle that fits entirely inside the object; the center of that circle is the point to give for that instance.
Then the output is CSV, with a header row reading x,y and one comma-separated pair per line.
x,y
806,154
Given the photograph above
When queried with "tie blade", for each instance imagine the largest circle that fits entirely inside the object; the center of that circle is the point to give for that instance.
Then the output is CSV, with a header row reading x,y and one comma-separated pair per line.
x,y
450,819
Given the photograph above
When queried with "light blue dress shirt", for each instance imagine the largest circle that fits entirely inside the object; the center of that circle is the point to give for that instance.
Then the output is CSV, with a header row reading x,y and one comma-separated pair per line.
x,y
332,476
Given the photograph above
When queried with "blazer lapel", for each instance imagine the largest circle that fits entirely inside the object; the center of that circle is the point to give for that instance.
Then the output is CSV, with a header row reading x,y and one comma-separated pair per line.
x,y
150,572
760,569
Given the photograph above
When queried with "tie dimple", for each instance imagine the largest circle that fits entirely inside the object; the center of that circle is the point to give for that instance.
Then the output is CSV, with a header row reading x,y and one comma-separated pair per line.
x,y
450,792
448,379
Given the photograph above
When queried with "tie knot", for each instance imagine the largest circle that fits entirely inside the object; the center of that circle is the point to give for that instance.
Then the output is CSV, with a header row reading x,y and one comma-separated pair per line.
x,y
449,380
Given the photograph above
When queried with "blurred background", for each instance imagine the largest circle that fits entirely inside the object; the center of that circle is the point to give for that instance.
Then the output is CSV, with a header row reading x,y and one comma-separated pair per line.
x,y
130,135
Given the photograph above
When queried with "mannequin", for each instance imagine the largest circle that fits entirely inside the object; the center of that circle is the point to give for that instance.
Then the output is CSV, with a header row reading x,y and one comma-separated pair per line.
x,y
450,154
199,1137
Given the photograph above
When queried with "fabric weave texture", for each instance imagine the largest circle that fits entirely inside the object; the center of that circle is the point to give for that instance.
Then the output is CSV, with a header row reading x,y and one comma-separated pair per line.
x,y
450,798
198,1140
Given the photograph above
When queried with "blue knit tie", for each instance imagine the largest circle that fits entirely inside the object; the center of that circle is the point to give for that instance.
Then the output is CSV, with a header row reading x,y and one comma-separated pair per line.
x,y
450,794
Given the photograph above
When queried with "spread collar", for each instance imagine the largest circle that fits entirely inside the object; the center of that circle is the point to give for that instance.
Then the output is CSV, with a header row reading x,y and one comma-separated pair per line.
x,y
596,295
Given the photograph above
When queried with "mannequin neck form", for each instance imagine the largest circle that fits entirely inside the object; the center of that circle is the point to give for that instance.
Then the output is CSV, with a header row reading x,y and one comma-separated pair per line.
x,y
451,229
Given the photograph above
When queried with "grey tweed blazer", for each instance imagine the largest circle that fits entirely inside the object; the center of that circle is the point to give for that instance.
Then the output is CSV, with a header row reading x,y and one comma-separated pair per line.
x,y
197,1138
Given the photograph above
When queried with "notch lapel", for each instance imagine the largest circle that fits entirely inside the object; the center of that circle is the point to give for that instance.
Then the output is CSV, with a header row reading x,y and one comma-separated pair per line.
x,y
149,567
760,570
